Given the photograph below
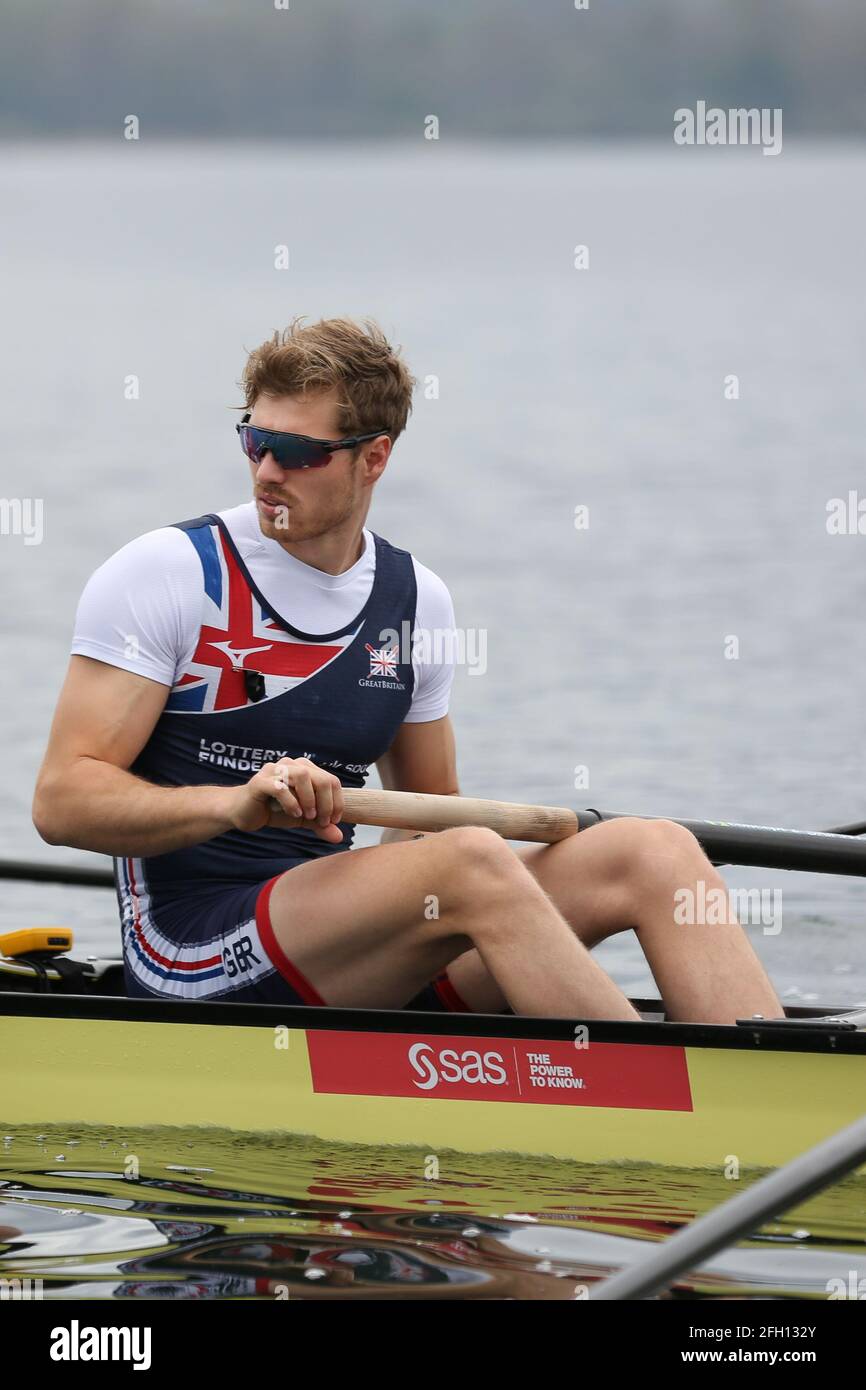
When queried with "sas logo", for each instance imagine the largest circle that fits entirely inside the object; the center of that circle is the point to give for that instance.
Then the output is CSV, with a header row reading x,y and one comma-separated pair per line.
x,y
470,1067
525,1071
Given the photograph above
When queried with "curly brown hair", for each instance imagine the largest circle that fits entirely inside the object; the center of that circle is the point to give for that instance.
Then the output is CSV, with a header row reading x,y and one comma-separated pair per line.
x,y
373,384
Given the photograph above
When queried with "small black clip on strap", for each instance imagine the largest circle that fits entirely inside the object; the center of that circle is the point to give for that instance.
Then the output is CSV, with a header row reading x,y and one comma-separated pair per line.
x,y
254,685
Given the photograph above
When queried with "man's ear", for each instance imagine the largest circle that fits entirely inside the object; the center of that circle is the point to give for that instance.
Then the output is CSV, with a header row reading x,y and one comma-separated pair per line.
x,y
376,469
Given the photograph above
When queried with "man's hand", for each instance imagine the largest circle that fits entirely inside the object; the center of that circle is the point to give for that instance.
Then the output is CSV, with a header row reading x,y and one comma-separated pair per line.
x,y
292,793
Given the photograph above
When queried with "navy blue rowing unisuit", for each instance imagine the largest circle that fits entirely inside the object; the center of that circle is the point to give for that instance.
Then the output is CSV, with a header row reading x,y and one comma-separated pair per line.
x,y
195,922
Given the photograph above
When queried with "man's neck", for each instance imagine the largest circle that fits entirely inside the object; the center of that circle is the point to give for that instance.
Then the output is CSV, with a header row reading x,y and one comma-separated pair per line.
x,y
333,553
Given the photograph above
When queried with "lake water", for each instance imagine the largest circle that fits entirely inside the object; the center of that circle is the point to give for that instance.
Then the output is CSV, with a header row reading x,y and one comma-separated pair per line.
x,y
216,1214
557,388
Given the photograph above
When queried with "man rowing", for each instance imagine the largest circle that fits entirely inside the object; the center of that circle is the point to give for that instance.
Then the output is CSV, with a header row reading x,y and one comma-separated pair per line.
x,y
231,674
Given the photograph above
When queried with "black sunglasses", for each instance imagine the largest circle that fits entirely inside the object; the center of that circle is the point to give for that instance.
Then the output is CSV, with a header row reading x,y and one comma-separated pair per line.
x,y
294,450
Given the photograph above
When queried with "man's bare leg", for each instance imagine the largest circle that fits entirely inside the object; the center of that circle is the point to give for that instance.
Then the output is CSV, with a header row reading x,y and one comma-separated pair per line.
x,y
370,928
624,874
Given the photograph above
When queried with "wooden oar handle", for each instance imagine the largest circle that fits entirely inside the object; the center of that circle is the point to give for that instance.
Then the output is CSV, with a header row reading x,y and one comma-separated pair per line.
x,y
420,811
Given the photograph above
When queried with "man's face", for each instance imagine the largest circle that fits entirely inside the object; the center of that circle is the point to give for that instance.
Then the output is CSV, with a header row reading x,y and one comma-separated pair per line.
x,y
300,504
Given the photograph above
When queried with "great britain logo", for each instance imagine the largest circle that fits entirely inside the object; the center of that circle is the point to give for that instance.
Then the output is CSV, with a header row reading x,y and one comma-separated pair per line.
x,y
383,668
383,660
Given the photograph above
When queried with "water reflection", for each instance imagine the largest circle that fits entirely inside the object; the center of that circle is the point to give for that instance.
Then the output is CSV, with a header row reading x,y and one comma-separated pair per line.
x,y
212,1214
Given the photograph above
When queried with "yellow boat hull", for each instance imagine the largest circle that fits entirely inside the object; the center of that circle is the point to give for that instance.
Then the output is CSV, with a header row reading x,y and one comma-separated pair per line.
x,y
688,1106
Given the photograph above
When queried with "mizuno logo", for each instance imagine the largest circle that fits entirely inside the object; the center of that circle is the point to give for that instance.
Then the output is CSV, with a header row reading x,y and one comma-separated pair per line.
x,y
237,655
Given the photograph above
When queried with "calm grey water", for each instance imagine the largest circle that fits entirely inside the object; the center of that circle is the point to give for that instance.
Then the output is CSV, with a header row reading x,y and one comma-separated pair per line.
x,y
557,388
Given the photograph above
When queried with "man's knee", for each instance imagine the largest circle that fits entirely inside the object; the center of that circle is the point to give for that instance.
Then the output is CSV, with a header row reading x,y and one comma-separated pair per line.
x,y
475,843
662,850
476,863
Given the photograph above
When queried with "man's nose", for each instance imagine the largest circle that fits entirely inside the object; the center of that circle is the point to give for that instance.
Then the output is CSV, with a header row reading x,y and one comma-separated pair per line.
x,y
269,471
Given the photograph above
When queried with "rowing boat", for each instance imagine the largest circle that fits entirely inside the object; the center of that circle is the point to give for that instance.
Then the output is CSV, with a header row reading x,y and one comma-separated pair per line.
x,y
690,1095
74,1051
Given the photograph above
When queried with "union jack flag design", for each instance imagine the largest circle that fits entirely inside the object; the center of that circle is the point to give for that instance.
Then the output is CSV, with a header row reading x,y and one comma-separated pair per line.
x,y
238,635
383,660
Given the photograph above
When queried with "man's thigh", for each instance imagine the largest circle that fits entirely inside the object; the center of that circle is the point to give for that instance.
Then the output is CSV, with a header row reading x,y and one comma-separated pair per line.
x,y
363,926
360,927
469,975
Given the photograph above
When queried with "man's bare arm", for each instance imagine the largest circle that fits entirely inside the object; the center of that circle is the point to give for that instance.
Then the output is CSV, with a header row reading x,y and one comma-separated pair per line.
x,y
422,758
86,797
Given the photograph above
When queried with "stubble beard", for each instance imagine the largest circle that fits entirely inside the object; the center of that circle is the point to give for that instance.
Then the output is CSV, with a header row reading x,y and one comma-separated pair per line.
x,y
296,524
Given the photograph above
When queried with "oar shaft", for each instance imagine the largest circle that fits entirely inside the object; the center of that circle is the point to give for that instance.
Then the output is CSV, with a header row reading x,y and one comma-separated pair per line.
x,y
739,1216
756,845
420,811
31,871
857,828
759,846
767,847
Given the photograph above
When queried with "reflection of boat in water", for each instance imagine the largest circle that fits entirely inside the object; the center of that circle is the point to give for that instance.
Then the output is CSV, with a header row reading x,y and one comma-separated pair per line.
x,y
224,1215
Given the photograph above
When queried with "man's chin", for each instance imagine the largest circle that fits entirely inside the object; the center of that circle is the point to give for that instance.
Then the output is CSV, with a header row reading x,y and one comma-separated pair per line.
x,y
277,523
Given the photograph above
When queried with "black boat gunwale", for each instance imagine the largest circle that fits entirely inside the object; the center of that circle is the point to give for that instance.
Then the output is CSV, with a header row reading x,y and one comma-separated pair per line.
x,y
755,1035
